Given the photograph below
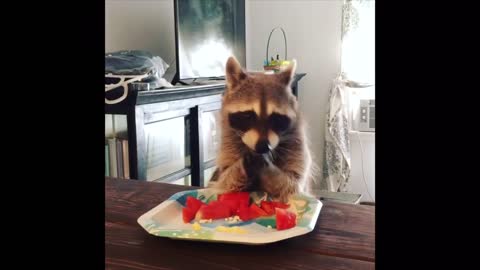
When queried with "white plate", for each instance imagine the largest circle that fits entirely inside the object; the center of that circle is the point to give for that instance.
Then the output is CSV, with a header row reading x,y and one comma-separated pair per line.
x,y
165,220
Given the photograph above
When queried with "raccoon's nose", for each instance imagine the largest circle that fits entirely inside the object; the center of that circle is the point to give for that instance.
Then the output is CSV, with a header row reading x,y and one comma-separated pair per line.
x,y
262,147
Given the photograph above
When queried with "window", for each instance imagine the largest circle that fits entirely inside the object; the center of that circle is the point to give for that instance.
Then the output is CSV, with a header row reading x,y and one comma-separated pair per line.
x,y
358,40
358,59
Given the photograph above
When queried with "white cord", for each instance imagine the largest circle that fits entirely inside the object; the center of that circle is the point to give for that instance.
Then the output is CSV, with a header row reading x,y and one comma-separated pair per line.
x,y
363,170
122,83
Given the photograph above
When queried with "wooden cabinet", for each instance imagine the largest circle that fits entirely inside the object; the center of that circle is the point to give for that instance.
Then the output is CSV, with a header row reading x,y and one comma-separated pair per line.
x,y
173,134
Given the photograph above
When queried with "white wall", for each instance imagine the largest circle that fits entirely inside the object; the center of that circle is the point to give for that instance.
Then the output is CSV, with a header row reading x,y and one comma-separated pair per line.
x,y
140,24
362,177
313,31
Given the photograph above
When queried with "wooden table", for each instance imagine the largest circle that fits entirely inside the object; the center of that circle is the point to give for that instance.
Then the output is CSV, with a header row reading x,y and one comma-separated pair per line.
x,y
344,238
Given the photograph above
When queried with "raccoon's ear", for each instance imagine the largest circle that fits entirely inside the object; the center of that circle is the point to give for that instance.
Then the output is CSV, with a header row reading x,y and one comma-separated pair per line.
x,y
286,75
234,72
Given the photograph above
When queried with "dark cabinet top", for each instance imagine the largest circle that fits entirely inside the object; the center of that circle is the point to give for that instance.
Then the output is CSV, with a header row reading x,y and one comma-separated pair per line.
x,y
168,94
183,92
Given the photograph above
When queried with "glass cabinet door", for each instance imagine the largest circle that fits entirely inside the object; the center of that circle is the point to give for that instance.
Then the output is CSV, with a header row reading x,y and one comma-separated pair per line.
x,y
185,181
211,134
166,145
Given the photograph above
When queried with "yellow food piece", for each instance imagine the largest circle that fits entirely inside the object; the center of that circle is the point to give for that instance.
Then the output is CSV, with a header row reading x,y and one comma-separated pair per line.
x,y
221,229
233,229
196,226
300,204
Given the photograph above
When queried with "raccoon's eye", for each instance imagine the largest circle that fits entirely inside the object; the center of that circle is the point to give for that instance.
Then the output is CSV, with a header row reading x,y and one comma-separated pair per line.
x,y
279,122
242,120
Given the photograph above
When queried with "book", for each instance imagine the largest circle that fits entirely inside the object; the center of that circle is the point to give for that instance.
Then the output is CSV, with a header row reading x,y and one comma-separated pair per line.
x,y
126,161
107,160
112,146
120,172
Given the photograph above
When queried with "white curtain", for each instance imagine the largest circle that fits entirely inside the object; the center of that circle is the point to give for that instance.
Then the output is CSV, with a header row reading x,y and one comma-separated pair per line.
x,y
336,165
358,69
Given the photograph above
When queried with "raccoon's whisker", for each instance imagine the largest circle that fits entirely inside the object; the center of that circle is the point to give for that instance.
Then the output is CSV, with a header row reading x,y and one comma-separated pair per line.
x,y
273,155
290,137
285,151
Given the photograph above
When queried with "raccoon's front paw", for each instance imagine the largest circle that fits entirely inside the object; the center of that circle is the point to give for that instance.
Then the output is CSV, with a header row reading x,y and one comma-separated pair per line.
x,y
253,165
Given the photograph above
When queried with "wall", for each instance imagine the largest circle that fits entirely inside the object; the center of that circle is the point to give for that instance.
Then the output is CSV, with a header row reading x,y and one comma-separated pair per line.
x,y
313,31
140,24
363,165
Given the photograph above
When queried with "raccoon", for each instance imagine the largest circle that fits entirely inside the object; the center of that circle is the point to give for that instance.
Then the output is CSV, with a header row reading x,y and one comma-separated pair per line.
x,y
263,144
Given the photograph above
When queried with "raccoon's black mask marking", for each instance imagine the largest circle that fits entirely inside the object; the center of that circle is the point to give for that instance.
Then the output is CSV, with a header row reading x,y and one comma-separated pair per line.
x,y
278,122
246,120
242,121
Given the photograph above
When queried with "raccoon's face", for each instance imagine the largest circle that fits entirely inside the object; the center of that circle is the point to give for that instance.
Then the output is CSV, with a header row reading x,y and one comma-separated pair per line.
x,y
260,108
